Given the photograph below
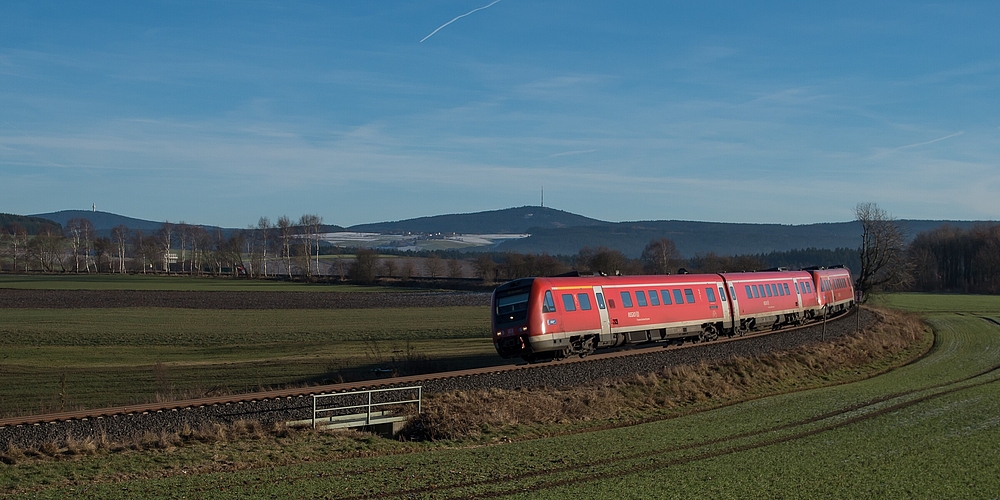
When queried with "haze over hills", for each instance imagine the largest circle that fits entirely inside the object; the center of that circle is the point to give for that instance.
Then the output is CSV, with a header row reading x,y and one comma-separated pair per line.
x,y
558,232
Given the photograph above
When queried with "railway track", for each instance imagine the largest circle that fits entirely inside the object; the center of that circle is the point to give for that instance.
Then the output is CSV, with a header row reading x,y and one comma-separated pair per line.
x,y
441,381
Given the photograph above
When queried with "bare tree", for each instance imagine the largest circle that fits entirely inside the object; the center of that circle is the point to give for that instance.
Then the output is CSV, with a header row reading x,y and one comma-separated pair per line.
x,y
611,262
485,268
883,263
285,233
455,270
310,224
389,267
15,241
184,239
365,264
45,248
80,233
264,229
144,250
164,237
103,249
433,265
660,257
120,235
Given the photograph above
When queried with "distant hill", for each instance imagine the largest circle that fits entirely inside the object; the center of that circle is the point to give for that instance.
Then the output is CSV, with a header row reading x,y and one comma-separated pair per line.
x,y
693,238
31,224
558,232
506,221
104,222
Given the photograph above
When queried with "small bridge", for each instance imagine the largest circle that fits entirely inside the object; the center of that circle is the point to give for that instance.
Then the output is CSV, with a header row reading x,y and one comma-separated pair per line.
x,y
382,411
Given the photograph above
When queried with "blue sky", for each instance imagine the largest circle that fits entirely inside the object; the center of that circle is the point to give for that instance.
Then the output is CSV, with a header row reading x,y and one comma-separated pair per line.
x,y
773,112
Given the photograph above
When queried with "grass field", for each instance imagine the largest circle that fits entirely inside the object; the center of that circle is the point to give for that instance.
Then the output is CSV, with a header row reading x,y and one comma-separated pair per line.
x,y
928,429
73,358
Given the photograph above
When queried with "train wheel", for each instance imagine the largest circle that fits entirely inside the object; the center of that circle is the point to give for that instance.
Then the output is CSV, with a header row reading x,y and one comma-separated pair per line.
x,y
708,334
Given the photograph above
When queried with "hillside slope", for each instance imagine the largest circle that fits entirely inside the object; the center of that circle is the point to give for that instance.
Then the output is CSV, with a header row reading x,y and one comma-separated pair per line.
x,y
507,221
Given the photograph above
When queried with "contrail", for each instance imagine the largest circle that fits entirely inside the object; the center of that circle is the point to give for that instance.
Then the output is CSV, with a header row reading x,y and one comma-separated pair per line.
x,y
456,19
932,141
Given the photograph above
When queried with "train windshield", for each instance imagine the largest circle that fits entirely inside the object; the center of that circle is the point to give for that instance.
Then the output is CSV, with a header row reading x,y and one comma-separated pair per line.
x,y
512,308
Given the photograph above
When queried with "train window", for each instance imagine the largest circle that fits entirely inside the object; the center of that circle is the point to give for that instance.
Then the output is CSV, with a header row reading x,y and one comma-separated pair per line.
x,y
732,292
749,292
722,294
797,287
654,298
640,298
600,300
548,305
781,291
710,293
626,299
666,297
678,297
512,308
756,291
584,301
689,293
568,303
767,290
787,291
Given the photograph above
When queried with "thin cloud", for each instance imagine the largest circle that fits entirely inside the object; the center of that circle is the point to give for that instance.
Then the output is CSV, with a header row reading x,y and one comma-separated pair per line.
x,y
571,153
457,18
932,141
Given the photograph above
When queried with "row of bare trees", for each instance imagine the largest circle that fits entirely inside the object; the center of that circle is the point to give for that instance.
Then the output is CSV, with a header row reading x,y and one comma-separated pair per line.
x,y
173,247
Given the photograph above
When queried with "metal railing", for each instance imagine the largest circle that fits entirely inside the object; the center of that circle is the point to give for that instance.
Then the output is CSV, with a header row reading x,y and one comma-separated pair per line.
x,y
374,403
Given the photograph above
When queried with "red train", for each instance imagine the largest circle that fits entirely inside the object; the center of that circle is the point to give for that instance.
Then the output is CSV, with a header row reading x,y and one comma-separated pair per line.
x,y
551,318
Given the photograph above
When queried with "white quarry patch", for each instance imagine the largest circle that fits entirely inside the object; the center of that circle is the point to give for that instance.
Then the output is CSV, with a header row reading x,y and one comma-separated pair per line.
x,y
414,241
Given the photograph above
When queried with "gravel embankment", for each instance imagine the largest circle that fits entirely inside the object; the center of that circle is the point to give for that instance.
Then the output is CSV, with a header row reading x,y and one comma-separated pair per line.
x,y
124,427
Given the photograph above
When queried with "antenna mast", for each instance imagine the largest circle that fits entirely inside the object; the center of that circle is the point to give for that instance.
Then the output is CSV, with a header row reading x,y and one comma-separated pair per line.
x,y
543,197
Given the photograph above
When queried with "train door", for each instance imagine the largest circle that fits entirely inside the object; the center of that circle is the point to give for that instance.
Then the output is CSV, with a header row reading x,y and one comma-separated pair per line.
x,y
734,303
727,318
602,309
798,295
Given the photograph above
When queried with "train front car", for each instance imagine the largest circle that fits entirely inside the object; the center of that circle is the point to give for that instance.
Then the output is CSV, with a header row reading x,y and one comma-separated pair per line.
x,y
510,306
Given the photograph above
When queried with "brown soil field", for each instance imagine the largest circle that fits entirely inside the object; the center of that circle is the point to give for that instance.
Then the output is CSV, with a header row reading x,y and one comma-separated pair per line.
x,y
71,299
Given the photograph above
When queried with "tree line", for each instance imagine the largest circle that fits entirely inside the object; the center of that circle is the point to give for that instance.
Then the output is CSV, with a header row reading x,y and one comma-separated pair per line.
x,y
267,249
946,259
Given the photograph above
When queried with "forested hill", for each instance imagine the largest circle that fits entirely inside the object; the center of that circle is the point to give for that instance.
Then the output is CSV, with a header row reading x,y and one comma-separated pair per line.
x,y
102,221
31,225
694,238
507,221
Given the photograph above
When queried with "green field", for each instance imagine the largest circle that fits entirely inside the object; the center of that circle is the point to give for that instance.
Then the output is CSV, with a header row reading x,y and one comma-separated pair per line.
x,y
928,429
77,358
